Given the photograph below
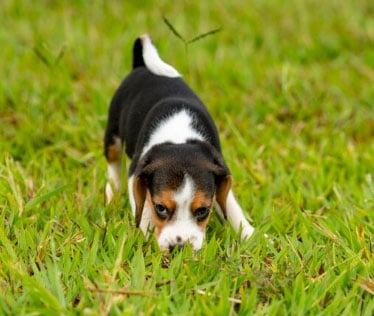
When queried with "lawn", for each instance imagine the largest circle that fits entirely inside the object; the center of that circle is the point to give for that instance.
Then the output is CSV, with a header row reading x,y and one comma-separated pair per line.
x,y
291,87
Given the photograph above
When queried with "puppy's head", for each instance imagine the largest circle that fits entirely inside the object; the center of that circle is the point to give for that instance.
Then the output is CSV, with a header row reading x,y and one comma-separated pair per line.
x,y
181,182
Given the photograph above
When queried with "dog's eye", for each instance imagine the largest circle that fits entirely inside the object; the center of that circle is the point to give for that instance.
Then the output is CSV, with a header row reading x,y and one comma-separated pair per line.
x,y
201,213
161,211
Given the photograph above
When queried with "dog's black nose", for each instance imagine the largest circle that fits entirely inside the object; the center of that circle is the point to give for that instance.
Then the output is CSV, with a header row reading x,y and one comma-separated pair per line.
x,y
175,246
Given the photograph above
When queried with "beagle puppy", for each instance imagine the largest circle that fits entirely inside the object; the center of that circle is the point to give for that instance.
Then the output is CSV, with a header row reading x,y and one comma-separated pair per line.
x,y
177,172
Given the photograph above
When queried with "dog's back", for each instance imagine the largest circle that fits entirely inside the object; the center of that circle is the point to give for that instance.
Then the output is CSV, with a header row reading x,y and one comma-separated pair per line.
x,y
145,98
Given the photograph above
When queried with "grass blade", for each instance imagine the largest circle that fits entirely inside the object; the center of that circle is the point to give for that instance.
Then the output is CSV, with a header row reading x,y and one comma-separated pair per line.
x,y
45,197
172,28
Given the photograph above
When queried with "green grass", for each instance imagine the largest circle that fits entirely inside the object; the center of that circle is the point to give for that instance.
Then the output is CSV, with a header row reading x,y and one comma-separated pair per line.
x,y
290,85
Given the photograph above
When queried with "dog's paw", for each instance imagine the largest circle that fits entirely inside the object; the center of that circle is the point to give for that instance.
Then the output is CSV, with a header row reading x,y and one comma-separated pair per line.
x,y
247,231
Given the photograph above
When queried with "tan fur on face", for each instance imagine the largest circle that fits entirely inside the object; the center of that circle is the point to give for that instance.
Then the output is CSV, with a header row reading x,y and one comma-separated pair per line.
x,y
164,198
201,200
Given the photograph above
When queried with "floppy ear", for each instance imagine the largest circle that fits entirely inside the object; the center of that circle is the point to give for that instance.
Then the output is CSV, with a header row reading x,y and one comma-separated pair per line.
x,y
223,186
223,178
140,193
142,173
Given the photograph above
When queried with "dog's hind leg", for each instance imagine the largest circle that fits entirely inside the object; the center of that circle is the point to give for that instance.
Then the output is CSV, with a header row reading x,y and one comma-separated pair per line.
x,y
113,154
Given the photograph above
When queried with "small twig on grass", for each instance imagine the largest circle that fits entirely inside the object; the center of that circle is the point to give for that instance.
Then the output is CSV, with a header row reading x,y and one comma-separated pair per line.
x,y
120,292
162,283
230,299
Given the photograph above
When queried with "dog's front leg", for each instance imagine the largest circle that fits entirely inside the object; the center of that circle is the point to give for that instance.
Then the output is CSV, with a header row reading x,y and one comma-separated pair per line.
x,y
236,216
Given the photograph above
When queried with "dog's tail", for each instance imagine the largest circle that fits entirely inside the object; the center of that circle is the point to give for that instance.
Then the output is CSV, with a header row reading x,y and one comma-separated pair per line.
x,y
137,54
145,55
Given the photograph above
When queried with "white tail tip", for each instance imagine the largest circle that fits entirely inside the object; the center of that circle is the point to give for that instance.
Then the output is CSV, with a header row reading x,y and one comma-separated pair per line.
x,y
153,62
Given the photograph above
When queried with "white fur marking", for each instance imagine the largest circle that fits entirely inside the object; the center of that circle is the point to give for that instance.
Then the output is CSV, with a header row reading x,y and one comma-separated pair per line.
x,y
183,198
153,61
176,129
184,228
